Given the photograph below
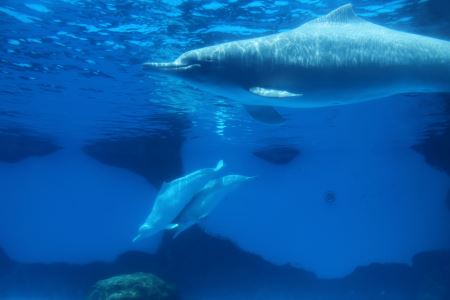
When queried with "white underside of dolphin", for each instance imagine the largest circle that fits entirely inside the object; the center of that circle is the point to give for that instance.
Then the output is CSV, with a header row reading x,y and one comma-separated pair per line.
x,y
173,197
336,59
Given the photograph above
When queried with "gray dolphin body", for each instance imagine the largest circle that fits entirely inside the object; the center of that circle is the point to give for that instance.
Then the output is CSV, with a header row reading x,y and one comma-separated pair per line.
x,y
173,197
336,59
205,201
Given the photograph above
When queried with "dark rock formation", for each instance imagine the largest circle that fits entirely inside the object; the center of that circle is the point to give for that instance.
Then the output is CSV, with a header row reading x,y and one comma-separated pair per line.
x,y
434,271
5,269
195,259
18,144
436,146
330,197
155,155
279,155
447,200
136,286
195,262
5,261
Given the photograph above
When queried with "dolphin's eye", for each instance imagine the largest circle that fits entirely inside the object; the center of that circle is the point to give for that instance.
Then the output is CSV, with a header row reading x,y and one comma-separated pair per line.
x,y
210,59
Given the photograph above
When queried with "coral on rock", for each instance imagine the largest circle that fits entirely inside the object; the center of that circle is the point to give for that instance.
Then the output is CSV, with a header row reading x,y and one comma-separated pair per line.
x,y
136,286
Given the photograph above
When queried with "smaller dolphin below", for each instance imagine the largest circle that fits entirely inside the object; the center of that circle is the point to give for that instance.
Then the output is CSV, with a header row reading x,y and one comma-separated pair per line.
x,y
204,202
173,197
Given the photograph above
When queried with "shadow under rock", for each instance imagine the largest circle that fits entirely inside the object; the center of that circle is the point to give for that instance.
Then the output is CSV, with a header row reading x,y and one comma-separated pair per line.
x,y
155,155
18,144
279,155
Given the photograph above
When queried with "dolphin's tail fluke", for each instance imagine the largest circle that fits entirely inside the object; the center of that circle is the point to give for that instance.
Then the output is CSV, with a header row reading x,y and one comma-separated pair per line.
x,y
219,166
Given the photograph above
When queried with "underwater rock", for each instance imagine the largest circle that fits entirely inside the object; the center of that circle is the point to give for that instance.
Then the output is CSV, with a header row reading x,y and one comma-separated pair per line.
x,y
6,265
434,270
436,146
196,260
137,286
154,155
4,260
330,197
447,200
278,155
380,281
192,262
18,144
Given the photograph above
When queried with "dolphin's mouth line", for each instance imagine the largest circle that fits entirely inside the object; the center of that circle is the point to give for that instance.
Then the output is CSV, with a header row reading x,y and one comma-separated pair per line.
x,y
169,66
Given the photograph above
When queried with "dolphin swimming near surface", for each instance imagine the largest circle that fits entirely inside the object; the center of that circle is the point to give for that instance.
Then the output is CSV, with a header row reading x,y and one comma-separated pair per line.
x,y
335,59
173,197
204,202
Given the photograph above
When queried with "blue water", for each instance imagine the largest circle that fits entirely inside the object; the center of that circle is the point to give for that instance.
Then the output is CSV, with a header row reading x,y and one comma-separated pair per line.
x,y
87,137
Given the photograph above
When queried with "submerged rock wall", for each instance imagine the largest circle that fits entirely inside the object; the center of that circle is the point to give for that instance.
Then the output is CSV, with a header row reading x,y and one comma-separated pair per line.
x,y
203,266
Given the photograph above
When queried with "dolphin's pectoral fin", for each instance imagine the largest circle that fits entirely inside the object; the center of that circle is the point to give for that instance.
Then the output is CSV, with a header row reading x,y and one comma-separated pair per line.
x,y
265,114
172,226
270,93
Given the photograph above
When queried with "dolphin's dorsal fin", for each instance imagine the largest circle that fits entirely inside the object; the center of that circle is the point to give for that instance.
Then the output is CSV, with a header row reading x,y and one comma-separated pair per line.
x,y
342,14
219,166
